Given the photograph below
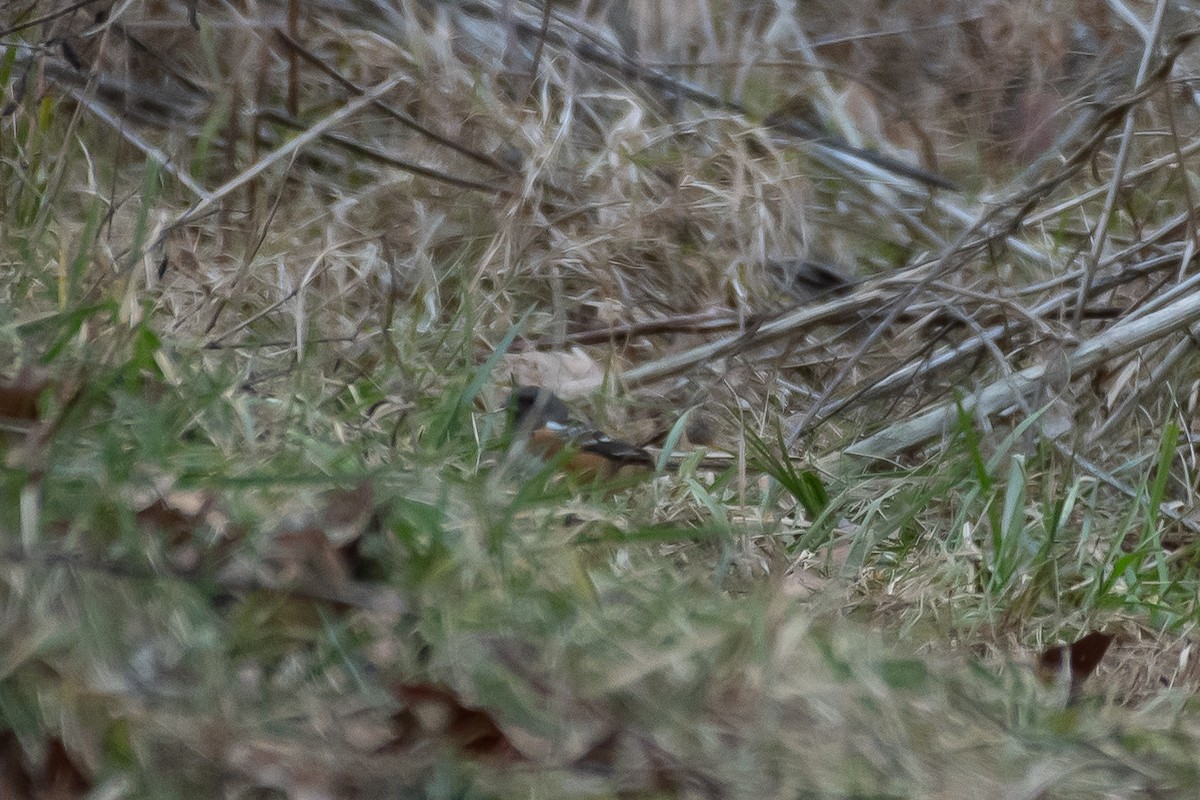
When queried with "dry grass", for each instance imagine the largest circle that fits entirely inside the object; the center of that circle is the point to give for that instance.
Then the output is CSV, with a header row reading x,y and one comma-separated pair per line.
x,y
267,280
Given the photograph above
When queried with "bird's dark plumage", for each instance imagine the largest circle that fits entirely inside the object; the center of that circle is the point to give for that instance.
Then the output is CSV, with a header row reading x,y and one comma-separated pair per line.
x,y
544,421
532,407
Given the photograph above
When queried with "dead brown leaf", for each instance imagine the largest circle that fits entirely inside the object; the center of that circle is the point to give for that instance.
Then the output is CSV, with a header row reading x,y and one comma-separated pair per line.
x,y
185,518
59,778
569,373
434,712
19,397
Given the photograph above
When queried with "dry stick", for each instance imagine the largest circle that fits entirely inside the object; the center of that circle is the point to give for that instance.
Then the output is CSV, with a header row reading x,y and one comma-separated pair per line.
x,y
294,146
962,248
547,8
876,186
248,257
53,15
596,53
147,149
1163,367
348,144
1168,296
293,99
280,117
1105,121
1024,203
1121,338
1114,259
1192,237
961,215
404,119
1168,228
137,102
904,376
831,152
1033,320
763,334
1114,185
703,322
1082,121
1124,488
898,307
807,316
955,354
1171,159
788,323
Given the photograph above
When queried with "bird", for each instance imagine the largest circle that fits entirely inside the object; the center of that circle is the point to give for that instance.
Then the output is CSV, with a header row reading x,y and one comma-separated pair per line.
x,y
541,420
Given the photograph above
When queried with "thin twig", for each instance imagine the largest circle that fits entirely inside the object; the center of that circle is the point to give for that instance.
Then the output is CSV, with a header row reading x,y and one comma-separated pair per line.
x,y
53,15
592,50
122,128
1107,478
348,144
288,150
404,119
1100,230
1122,338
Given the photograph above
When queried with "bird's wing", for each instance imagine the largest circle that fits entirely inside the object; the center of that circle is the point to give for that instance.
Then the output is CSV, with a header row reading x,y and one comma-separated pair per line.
x,y
602,444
